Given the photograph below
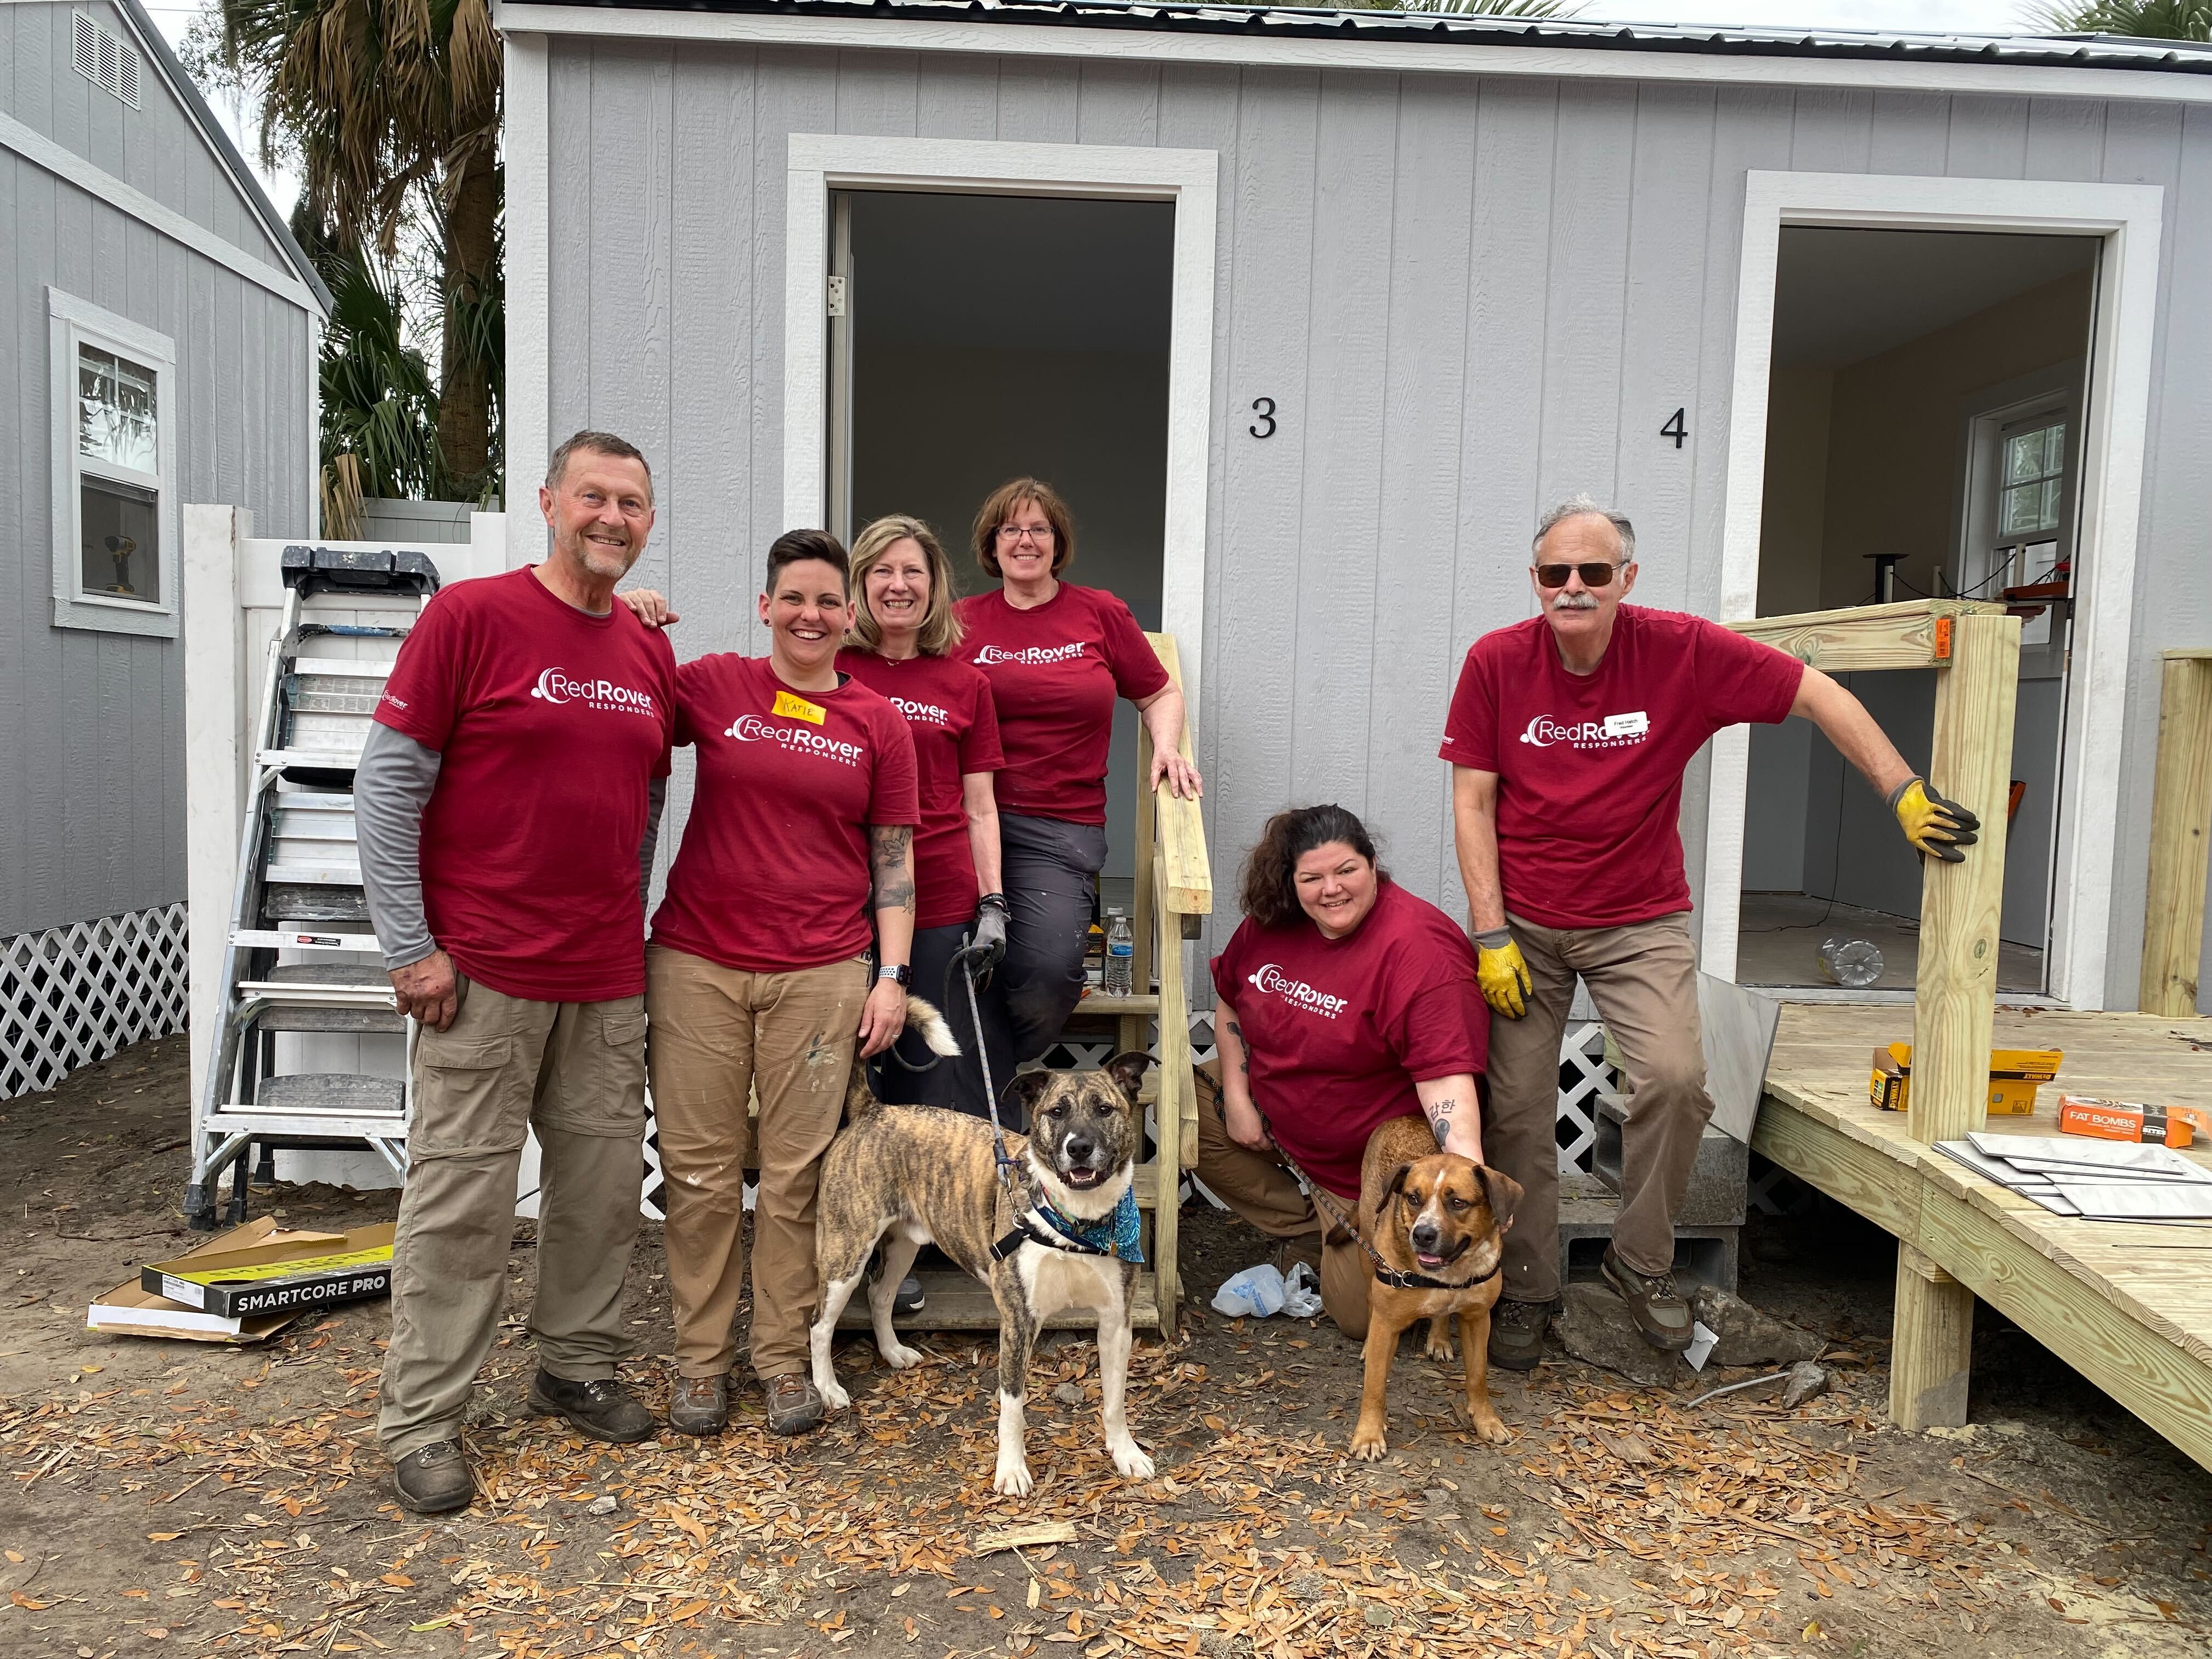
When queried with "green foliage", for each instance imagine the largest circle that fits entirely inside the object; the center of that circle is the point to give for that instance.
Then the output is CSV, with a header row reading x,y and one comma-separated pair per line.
x,y
2144,19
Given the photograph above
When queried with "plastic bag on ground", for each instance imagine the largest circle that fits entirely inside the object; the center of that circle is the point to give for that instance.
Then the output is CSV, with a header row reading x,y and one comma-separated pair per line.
x,y
1302,1290
1256,1291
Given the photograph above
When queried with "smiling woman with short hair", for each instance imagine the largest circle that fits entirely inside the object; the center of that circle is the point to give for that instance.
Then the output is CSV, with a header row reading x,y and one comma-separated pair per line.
x,y
1342,1001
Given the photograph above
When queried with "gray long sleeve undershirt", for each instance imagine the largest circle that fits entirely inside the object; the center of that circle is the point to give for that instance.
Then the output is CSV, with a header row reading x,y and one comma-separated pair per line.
x,y
391,789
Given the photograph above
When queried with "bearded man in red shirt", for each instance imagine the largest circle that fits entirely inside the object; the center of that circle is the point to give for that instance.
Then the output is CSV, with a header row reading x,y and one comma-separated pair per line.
x,y
1568,737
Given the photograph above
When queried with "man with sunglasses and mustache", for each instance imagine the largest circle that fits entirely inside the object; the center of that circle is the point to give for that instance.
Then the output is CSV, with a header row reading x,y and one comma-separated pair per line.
x,y
1568,737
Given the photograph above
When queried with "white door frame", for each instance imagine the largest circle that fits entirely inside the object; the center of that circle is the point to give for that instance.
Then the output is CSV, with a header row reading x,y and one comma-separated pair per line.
x,y
2128,218
820,162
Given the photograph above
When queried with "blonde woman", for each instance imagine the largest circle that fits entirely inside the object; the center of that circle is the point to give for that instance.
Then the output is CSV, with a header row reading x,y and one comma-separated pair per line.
x,y
899,645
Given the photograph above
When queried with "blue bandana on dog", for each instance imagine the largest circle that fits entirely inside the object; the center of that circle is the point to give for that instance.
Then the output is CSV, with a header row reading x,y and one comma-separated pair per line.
x,y
1114,1235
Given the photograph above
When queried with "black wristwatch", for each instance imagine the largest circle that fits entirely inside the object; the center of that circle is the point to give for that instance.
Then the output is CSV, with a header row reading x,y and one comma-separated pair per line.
x,y
903,975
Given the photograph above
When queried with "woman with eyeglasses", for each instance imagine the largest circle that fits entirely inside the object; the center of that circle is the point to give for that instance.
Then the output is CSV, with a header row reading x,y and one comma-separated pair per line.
x,y
902,643
1058,657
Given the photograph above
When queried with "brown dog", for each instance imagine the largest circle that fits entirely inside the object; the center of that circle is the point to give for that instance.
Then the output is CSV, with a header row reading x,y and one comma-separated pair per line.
x,y
1439,1220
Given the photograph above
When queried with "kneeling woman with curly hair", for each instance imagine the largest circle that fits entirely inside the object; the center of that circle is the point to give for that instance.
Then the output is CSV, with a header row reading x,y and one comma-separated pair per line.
x,y
1343,1002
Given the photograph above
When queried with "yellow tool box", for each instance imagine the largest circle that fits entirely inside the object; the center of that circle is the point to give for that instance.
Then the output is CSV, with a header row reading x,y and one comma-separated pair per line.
x,y
2014,1075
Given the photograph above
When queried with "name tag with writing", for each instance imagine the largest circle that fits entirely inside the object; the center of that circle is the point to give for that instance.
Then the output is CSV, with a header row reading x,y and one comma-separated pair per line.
x,y
797,708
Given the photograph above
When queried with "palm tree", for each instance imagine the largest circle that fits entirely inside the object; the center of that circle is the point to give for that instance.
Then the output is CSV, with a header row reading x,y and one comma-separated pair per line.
x,y
393,107
2145,20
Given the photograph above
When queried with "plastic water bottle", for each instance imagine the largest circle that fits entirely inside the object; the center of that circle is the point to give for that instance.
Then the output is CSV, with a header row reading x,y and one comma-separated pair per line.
x,y
1120,956
1847,961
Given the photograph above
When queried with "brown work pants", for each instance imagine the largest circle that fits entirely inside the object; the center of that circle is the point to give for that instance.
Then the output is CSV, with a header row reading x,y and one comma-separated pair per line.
x,y
1259,1187
721,1035
575,1073
1643,979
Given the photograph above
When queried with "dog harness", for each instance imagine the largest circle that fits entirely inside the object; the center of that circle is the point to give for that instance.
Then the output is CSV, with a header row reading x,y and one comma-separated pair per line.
x,y
1035,1221
1398,1278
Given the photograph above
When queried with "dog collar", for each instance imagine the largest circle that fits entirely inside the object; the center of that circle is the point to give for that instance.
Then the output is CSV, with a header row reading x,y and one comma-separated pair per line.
x,y
1408,1282
1114,1233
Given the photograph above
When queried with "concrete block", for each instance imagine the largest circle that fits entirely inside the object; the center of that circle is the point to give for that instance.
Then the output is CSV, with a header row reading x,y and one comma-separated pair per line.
x,y
1719,1181
1705,1253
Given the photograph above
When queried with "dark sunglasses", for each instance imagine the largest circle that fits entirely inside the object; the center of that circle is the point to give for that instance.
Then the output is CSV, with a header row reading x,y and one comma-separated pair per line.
x,y
1593,575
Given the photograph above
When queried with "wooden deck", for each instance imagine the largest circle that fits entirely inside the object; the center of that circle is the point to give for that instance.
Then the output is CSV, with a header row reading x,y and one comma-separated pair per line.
x,y
2127,1304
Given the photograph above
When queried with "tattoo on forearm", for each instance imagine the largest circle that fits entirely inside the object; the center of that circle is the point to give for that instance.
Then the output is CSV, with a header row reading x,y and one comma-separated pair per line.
x,y
1244,1050
1440,1113
893,881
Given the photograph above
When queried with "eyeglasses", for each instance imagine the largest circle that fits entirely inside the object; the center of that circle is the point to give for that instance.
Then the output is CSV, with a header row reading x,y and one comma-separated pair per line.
x,y
1011,532
1593,575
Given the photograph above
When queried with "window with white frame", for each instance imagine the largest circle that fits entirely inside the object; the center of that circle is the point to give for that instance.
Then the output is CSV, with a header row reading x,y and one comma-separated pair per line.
x,y
116,515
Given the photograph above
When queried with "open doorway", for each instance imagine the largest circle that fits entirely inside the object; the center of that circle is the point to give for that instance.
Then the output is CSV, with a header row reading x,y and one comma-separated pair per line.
x,y
987,337
1924,421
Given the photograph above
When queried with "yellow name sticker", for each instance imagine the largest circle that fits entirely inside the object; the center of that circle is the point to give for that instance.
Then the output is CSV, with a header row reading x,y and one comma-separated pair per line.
x,y
798,709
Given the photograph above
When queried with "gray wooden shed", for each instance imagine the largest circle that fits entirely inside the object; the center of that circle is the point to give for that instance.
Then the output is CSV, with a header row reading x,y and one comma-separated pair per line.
x,y
1311,313
158,347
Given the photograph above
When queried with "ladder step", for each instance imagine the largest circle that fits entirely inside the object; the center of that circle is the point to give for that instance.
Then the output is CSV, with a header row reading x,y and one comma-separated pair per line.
x,y
315,1093
313,902
336,974
301,938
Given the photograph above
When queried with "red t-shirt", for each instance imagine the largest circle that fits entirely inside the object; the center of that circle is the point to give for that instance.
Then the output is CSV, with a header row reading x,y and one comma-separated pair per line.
x,y
549,724
1338,1032
947,705
773,875
1055,671
1589,767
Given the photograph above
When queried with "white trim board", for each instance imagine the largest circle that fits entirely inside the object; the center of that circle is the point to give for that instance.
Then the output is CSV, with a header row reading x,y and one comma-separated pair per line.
x,y
67,165
1032,39
528,410
820,163
2129,218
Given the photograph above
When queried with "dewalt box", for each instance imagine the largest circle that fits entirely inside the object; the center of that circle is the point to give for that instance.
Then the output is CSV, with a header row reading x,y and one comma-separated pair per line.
x,y
2014,1076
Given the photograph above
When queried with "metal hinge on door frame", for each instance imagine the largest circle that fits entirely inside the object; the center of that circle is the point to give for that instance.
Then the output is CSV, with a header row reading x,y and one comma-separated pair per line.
x,y
836,296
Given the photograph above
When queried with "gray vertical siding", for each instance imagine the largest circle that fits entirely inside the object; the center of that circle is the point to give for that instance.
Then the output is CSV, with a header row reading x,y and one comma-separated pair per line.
x,y
1467,296
92,782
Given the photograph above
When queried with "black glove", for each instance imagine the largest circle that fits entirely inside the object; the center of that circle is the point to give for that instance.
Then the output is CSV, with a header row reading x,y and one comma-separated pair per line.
x,y
990,931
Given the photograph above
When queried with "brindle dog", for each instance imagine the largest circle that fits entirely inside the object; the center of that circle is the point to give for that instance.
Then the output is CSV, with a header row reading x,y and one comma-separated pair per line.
x,y
1438,1217
916,1175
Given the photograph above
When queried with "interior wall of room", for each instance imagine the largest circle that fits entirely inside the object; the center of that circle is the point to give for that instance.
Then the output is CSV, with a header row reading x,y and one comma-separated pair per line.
x,y
1869,456
936,428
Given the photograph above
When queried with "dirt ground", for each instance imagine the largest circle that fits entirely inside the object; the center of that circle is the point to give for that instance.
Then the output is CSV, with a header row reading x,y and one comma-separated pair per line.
x,y
168,1497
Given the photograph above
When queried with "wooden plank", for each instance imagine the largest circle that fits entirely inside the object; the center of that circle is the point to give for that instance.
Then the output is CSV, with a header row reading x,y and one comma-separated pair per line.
x,y
1863,636
1186,874
1868,1181
1931,1345
2180,824
956,1302
1174,1091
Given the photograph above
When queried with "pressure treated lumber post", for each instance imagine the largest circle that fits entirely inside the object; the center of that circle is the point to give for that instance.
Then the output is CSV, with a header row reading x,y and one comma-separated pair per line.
x,y
2180,833
1169,1106
1955,1006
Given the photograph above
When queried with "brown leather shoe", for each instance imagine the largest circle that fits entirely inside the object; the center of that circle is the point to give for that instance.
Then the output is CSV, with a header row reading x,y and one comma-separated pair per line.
x,y
793,1407
699,1405
1663,1317
434,1480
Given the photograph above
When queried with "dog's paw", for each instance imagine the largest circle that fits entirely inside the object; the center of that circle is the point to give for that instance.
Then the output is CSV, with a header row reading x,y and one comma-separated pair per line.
x,y
1130,1459
1367,1444
1013,1480
1490,1430
1440,1346
899,1357
834,1395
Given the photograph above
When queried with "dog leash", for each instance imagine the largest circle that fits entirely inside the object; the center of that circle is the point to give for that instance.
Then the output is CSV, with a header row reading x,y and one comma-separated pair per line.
x,y
1398,1278
1032,1216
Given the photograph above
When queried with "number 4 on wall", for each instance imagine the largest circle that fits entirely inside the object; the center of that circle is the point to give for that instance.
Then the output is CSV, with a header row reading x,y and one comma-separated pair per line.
x,y
1674,427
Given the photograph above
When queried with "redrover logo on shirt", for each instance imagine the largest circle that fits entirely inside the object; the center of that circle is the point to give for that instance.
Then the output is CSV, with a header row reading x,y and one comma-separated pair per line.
x,y
557,685
1270,978
1613,731
1032,656
758,728
928,713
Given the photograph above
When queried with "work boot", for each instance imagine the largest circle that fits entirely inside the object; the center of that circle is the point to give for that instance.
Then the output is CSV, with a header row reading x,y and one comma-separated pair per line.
x,y
793,1407
908,1300
1516,1333
601,1408
1662,1317
699,1405
434,1480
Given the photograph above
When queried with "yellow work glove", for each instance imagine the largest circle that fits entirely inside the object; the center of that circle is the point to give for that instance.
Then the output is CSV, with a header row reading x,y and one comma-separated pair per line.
x,y
1931,823
1502,973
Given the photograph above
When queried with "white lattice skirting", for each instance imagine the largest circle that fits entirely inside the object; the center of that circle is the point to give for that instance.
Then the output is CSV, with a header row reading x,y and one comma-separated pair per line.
x,y
72,995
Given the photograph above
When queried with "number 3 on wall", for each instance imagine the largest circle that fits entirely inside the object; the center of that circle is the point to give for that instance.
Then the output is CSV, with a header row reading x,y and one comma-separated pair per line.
x,y
1265,409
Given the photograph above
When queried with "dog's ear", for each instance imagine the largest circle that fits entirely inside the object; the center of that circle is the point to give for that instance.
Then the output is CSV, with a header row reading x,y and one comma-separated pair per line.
x,y
1128,1071
1395,1184
1024,1091
1503,1192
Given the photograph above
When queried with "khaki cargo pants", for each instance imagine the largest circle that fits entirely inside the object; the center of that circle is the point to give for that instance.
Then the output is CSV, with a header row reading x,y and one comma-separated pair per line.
x,y
575,1073
1260,1188
1643,979
720,1035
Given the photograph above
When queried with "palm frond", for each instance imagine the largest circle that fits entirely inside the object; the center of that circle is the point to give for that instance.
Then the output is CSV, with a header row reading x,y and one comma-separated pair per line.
x,y
2142,19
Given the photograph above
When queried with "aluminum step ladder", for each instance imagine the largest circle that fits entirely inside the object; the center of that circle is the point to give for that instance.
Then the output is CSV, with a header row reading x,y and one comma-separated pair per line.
x,y
298,894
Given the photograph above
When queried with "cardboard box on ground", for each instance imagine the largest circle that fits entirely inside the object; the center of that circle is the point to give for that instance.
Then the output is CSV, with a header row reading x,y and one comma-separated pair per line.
x,y
248,1284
